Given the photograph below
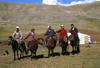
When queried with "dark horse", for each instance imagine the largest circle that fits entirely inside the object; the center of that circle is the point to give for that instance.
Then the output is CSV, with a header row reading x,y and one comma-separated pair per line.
x,y
51,44
16,47
34,45
74,43
64,44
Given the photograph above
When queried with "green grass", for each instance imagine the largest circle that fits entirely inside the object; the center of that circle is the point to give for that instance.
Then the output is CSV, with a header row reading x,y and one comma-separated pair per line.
x,y
88,58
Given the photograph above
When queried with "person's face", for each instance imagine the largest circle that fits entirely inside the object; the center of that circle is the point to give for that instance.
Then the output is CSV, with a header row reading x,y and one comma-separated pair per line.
x,y
72,26
32,30
62,27
49,28
17,29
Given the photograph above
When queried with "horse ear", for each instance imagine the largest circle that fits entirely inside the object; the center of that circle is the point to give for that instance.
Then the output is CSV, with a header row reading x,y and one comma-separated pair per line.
x,y
10,36
42,39
38,38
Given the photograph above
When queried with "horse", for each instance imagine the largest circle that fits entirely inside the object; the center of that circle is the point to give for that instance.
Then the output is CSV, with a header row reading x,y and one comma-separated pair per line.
x,y
64,44
33,45
15,47
51,44
74,43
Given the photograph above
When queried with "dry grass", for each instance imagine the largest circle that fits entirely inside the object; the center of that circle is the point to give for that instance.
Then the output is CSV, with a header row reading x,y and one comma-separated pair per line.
x,y
88,58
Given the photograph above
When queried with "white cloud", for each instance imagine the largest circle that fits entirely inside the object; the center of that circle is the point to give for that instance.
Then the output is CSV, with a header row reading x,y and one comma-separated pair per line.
x,y
56,2
50,2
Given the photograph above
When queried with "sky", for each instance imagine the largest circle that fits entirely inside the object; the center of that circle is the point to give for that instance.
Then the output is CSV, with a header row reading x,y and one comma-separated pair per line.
x,y
53,2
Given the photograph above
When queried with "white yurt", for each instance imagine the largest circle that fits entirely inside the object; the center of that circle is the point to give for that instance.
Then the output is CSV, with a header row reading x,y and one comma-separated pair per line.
x,y
84,38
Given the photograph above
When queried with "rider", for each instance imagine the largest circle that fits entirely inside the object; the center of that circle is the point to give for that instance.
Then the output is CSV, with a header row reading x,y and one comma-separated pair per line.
x,y
74,31
62,32
30,36
17,35
49,34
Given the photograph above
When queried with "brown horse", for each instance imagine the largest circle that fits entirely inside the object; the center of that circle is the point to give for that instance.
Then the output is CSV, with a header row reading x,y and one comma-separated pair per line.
x,y
51,44
34,45
16,47
64,44
74,43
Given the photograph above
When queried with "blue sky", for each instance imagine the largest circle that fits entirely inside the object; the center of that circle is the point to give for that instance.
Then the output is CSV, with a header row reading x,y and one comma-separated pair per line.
x,y
53,2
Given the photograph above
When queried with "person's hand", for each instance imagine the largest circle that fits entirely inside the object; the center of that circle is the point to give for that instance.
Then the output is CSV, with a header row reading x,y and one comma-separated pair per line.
x,y
23,38
44,34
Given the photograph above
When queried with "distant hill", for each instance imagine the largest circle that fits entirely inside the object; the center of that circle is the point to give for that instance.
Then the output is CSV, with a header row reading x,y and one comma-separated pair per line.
x,y
40,13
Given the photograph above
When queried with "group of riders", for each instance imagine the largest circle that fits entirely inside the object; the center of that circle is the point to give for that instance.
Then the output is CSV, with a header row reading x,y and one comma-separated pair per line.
x,y
17,35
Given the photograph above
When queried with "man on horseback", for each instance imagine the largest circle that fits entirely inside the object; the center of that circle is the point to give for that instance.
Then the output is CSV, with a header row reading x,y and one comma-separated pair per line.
x,y
30,36
62,32
17,35
49,34
74,31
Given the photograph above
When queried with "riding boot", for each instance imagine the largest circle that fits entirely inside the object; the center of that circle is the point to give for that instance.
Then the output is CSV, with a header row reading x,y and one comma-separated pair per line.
x,y
20,46
28,45
47,44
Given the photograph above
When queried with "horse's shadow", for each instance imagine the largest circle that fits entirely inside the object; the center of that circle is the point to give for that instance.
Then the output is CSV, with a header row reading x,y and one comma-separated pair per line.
x,y
37,57
74,52
67,53
54,54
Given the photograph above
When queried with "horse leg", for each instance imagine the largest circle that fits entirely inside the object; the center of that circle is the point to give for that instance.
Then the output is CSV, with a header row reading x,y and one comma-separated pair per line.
x,y
52,53
17,55
14,55
65,51
62,50
20,53
35,55
31,56
72,50
48,52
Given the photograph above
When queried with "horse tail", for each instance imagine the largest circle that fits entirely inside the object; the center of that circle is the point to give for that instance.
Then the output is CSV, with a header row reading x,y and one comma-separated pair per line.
x,y
24,48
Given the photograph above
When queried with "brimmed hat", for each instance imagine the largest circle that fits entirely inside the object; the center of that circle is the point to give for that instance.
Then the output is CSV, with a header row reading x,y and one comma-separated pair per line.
x,y
32,29
17,27
49,26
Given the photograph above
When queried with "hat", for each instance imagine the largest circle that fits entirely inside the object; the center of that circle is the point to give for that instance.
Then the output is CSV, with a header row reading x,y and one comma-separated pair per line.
x,y
49,26
72,24
17,27
62,25
32,29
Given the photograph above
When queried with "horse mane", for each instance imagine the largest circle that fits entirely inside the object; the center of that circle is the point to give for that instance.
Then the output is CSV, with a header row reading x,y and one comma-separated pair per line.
x,y
41,39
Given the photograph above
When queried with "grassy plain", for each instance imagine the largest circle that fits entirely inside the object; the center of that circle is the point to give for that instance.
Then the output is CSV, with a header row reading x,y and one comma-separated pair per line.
x,y
87,58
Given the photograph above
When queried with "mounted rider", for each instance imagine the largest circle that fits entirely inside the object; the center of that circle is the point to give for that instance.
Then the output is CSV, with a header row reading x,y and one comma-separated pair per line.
x,y
62,32
49,34
74,31
30,36
17,35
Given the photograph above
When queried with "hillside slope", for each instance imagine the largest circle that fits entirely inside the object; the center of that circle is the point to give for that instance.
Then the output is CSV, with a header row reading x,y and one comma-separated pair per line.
x,y
40,13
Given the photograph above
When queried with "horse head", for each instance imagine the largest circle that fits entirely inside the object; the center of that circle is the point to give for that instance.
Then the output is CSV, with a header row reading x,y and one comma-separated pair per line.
x,y
10,40
41,41
54,36
72,37
64,38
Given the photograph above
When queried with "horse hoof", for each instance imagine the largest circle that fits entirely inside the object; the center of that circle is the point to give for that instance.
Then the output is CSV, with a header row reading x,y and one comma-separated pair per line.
x,y
18,59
